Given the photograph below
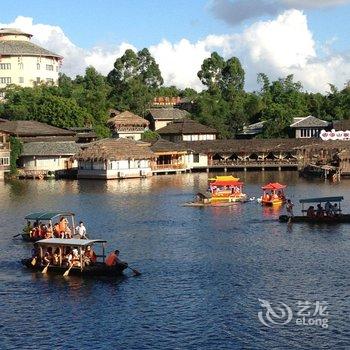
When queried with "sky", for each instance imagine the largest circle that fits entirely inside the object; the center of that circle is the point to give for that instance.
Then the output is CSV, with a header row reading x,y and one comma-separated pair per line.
x,y
307,38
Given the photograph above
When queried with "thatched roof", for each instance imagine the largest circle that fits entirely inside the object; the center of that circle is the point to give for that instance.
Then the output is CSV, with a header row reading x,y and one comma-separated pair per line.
x,y
13,31
165,146
29,128
186,127
167,114
50,149
262,145
116,149
127,119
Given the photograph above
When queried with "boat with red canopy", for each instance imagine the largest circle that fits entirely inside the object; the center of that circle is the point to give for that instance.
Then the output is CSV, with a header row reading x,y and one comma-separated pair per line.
x,y
226,189
273,194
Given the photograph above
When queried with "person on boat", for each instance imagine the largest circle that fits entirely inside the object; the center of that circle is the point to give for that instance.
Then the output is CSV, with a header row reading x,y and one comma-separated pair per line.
x,y
63,226
311,211
81,230
319,210
76,258
68,256
328,207
335,210
289,208
113,258
56,257
68,233
43,230
56,230
49,232
89,256
47,259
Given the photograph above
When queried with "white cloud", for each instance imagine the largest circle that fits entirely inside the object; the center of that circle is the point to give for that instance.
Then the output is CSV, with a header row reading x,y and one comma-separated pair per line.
x,y
277,47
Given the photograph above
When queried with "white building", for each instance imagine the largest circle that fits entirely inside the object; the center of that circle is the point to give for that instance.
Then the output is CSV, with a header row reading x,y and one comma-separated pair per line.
x,y
307,127
24,63
115,159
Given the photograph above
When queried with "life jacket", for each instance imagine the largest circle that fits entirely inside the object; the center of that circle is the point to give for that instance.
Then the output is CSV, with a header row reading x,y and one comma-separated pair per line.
x,y
111,259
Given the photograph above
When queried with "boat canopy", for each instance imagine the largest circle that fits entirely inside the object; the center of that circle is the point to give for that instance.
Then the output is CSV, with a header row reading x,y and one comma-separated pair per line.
x,y
322,199
226,183
273,186
47,215
70,242
224,178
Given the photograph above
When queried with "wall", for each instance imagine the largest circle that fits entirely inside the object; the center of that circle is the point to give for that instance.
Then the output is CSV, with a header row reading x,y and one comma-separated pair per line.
x,y
201,157
129,135
52,163
161,123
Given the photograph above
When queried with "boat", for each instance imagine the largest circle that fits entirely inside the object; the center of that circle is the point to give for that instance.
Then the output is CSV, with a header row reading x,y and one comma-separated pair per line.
x,y
336,217
82,268
226,189
45,217
202,200
273,194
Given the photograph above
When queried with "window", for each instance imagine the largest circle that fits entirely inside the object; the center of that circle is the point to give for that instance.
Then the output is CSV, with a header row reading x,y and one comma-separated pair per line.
x,y
49,80
5,80
21,80
49,67
38,80
5,65
196,158
38,66
56,68
4,161
20,65
2,94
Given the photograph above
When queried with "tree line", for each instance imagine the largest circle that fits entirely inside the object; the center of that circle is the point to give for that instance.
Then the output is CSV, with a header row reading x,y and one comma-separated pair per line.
x,y
136,79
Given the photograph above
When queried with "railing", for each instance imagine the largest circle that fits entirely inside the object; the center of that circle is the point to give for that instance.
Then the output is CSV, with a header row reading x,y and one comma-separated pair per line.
x,y
269,162
168,166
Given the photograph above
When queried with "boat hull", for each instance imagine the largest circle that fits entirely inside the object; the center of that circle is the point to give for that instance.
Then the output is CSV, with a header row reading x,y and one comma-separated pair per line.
x,y
28,238
271,203
341,219
210,204
95,270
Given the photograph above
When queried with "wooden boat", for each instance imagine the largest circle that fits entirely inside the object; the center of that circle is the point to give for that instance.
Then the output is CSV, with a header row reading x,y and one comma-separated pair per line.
x,y
332,217
45,217
202,200
96,269
273,194
226,189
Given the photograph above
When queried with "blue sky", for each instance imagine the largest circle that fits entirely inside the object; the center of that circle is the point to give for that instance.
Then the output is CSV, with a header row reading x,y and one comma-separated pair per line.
x,y
145,23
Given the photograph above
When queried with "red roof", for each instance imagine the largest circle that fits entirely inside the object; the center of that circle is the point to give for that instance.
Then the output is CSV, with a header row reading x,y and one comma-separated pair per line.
x,y
273,186
226,183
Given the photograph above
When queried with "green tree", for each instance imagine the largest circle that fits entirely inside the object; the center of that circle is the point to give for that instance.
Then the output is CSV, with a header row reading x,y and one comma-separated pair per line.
x,y
16,150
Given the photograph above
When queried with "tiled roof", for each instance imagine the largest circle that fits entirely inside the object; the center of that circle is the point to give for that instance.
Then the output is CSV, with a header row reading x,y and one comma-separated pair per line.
x,y
168,113
116,149
33,128
68,148
186,127
24,48
127,119
13,31
308,122
162,145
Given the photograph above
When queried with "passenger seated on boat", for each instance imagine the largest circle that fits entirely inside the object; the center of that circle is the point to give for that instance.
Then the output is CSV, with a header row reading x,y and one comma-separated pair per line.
x,y
43,230
68,233
112,259
76,258
89,256
56,230
335,210
68,256
56,257
319,211
47,259
311,211
49,232
275,196
328,208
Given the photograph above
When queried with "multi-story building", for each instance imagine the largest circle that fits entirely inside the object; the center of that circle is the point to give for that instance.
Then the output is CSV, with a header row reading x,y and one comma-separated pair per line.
x,y
4,154
24,63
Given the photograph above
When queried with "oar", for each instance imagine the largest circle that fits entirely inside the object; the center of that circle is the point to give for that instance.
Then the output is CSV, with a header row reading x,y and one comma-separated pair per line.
x,y
137,273
33,262
45,268
17,235
67,272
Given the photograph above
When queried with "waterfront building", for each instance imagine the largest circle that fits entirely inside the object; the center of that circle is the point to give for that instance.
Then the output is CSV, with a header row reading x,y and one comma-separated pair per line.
x,y
127,125
187,130
171,157
115,159
33,131
307,127
161,117
4,154
24,63
50,158
84,135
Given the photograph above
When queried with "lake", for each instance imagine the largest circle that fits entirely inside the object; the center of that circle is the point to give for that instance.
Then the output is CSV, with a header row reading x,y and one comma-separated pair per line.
x,y
208,277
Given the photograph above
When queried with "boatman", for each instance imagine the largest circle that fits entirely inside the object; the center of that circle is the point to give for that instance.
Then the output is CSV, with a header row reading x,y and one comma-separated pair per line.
x,y
113,258
289,208
81,230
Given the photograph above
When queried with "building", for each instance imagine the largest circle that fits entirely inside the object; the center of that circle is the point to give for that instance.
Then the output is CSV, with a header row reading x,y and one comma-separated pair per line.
x,y
33,131
127,125
24,63
171,157
251,131
42,159
187,130
307,127
161,117
115,159
4,154
84,135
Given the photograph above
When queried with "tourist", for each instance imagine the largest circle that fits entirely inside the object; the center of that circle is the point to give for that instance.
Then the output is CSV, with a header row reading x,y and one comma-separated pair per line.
x,y
311,211
47,259
81,230
89,256
56,230
76,258
67,260
56,257
335,210
319,210
113,258
49,232
63,226
328,208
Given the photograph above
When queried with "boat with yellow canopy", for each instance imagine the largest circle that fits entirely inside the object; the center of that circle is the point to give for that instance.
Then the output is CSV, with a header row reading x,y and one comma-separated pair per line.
x,y
273,194
226,189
